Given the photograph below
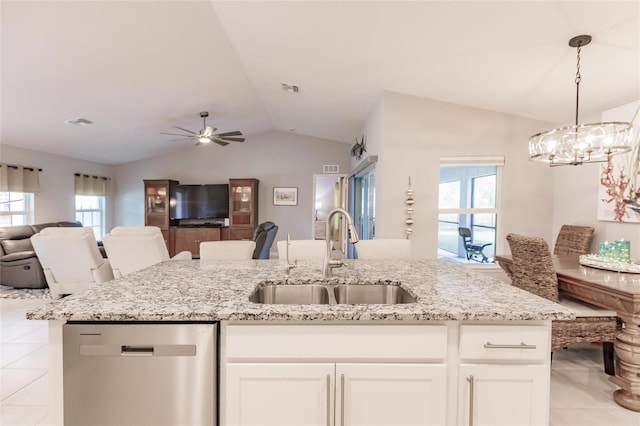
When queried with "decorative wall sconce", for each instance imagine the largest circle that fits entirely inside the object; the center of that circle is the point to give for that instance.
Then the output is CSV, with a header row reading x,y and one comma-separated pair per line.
x,y
409,201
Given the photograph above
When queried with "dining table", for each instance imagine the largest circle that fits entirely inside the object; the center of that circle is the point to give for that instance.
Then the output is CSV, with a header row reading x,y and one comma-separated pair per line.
x,y
611,289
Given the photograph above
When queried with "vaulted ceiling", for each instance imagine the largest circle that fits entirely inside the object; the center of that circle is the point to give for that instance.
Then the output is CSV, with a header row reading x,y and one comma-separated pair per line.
x,y
137,68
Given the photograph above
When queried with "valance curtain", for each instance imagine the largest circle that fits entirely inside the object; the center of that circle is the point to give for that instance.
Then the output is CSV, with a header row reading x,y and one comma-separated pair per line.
x,y
19,178
92,185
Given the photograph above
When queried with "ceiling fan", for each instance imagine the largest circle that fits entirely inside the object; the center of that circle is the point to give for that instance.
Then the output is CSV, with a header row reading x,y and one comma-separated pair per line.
x,y
207,134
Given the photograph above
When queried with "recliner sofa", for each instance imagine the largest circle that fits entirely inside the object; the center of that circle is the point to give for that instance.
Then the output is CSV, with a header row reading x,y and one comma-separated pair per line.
x,y
19,265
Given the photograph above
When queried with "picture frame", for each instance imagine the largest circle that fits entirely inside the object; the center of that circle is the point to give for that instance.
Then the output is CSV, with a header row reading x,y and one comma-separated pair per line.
x,y
285,196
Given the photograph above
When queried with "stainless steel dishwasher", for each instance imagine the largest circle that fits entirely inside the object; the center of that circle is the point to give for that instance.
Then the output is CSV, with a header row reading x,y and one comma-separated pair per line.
x,y
140,374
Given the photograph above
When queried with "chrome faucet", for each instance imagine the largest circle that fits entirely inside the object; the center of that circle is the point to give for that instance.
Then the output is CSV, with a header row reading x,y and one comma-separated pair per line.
x,y
329,264
289,266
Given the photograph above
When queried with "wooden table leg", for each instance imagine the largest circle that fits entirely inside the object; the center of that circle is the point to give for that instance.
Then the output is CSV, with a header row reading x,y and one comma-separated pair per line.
x,y
627,347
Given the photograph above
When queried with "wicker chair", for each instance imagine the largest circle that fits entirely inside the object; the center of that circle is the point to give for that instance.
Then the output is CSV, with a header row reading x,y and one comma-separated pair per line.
x,y
573,239
533,271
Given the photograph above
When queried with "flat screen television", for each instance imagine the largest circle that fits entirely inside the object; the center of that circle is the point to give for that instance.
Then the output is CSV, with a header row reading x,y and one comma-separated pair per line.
x,y
199,201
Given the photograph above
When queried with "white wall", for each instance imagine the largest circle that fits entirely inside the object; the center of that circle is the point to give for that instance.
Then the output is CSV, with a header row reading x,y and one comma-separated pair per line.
x,y
416,132
56,199
576,193
275,158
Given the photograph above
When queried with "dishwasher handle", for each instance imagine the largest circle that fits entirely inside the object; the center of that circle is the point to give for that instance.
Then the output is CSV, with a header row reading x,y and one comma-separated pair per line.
x,y
132,350
138,350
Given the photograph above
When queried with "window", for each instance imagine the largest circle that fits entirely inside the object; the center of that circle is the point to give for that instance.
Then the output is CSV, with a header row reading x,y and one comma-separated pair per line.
x,y
90,211
468,198
16,208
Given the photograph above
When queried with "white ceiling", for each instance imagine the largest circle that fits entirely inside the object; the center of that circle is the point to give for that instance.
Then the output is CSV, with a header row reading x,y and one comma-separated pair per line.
x,y
137,68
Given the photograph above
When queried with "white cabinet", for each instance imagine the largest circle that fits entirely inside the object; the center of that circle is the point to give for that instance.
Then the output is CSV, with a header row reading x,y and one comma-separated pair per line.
x,y
280,394
509,395
349,394
504,375
390,394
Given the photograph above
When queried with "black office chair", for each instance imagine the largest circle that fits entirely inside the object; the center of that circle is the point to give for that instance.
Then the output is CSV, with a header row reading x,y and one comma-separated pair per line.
x,y
264,235
474,251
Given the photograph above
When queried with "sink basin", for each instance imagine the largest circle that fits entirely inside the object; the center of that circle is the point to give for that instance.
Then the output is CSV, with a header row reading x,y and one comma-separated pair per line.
x,y
303,294
355,294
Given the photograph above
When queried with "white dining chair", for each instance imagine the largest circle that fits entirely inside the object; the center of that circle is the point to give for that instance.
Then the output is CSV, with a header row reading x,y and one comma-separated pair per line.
x,y
302,249
132,248
383,249
227,250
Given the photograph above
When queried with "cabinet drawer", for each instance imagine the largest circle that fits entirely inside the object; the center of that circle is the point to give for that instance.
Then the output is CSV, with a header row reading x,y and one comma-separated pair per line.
x,y
337,342
505,342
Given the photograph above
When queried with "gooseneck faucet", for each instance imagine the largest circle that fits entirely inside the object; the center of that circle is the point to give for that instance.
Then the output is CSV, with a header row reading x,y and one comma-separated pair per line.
x,y
329,264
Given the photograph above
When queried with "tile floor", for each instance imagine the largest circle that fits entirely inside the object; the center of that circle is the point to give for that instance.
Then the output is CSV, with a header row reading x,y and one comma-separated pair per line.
x,y
581,395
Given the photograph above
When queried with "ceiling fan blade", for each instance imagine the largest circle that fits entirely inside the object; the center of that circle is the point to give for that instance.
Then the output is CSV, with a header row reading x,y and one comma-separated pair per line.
x,y
188,131
234,133
231,139
185,139
177,134
221,143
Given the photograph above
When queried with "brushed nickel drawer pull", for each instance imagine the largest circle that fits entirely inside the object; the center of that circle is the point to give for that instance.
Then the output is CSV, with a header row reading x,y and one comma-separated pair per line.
x,y
342,400
522,345
328,399
471,396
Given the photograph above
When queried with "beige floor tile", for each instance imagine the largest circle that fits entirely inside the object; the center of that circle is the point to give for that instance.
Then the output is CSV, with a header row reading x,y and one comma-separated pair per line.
x,y
36,359
593,417
35,393
11,352
22,415
11,332
581,388
39,334
12,380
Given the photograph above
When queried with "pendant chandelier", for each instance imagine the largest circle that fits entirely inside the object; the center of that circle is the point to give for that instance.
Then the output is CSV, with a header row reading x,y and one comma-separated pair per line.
x,y
581,143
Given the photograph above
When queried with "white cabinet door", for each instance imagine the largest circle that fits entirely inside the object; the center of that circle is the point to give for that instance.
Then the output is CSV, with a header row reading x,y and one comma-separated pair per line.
x,y
390,394
509,395
279,394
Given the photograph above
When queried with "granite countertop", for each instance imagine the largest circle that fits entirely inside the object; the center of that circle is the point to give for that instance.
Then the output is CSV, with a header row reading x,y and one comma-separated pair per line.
x,y
193,290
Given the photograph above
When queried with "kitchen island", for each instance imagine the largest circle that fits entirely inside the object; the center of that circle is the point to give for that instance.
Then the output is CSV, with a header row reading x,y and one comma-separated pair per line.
x,y
442,359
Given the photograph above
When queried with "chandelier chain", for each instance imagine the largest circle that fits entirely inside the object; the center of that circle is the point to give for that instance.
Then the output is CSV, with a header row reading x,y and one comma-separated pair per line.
x,y
578,79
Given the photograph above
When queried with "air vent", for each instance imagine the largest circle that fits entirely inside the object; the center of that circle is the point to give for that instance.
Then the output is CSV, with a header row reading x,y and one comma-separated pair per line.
x,y
293,88
79,122
330,168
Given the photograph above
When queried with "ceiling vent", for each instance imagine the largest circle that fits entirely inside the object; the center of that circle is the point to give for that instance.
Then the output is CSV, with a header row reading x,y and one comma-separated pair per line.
x,y
79,122
293,88
330,168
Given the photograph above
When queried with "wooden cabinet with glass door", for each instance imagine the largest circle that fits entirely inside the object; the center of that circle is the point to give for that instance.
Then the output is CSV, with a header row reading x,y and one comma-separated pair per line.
x,y
243,208
156,205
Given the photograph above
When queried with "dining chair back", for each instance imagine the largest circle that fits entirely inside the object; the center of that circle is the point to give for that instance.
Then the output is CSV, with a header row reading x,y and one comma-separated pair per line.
x,y
533,271
132,248
573,239
227,250
383,249
302,249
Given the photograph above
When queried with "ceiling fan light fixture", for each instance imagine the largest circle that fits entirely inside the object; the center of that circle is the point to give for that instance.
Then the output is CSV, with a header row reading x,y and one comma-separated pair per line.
x,y
204,139
581,143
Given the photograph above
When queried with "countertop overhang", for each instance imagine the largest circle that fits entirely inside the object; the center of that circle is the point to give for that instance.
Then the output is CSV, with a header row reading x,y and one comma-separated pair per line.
x,y
194,290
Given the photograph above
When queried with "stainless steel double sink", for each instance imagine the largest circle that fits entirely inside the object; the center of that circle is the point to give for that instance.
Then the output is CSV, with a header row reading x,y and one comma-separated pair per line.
x,y
331,294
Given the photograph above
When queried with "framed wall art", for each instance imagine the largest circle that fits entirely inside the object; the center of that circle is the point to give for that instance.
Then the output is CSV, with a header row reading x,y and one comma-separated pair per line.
x,y
285,196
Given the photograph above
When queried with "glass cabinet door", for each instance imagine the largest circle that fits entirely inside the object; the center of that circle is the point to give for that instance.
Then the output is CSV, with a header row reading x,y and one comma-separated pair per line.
x,y
156,199
242,199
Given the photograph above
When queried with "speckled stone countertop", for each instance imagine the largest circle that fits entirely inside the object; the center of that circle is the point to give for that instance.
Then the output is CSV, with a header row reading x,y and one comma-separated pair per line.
x,y
208,291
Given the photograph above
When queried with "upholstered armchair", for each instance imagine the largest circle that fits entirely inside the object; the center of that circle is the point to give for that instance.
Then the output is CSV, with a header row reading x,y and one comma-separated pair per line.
x,y
264,235
70,259
131,248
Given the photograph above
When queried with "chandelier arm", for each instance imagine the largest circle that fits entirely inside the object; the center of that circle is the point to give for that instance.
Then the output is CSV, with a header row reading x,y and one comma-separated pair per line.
x,y
578,79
